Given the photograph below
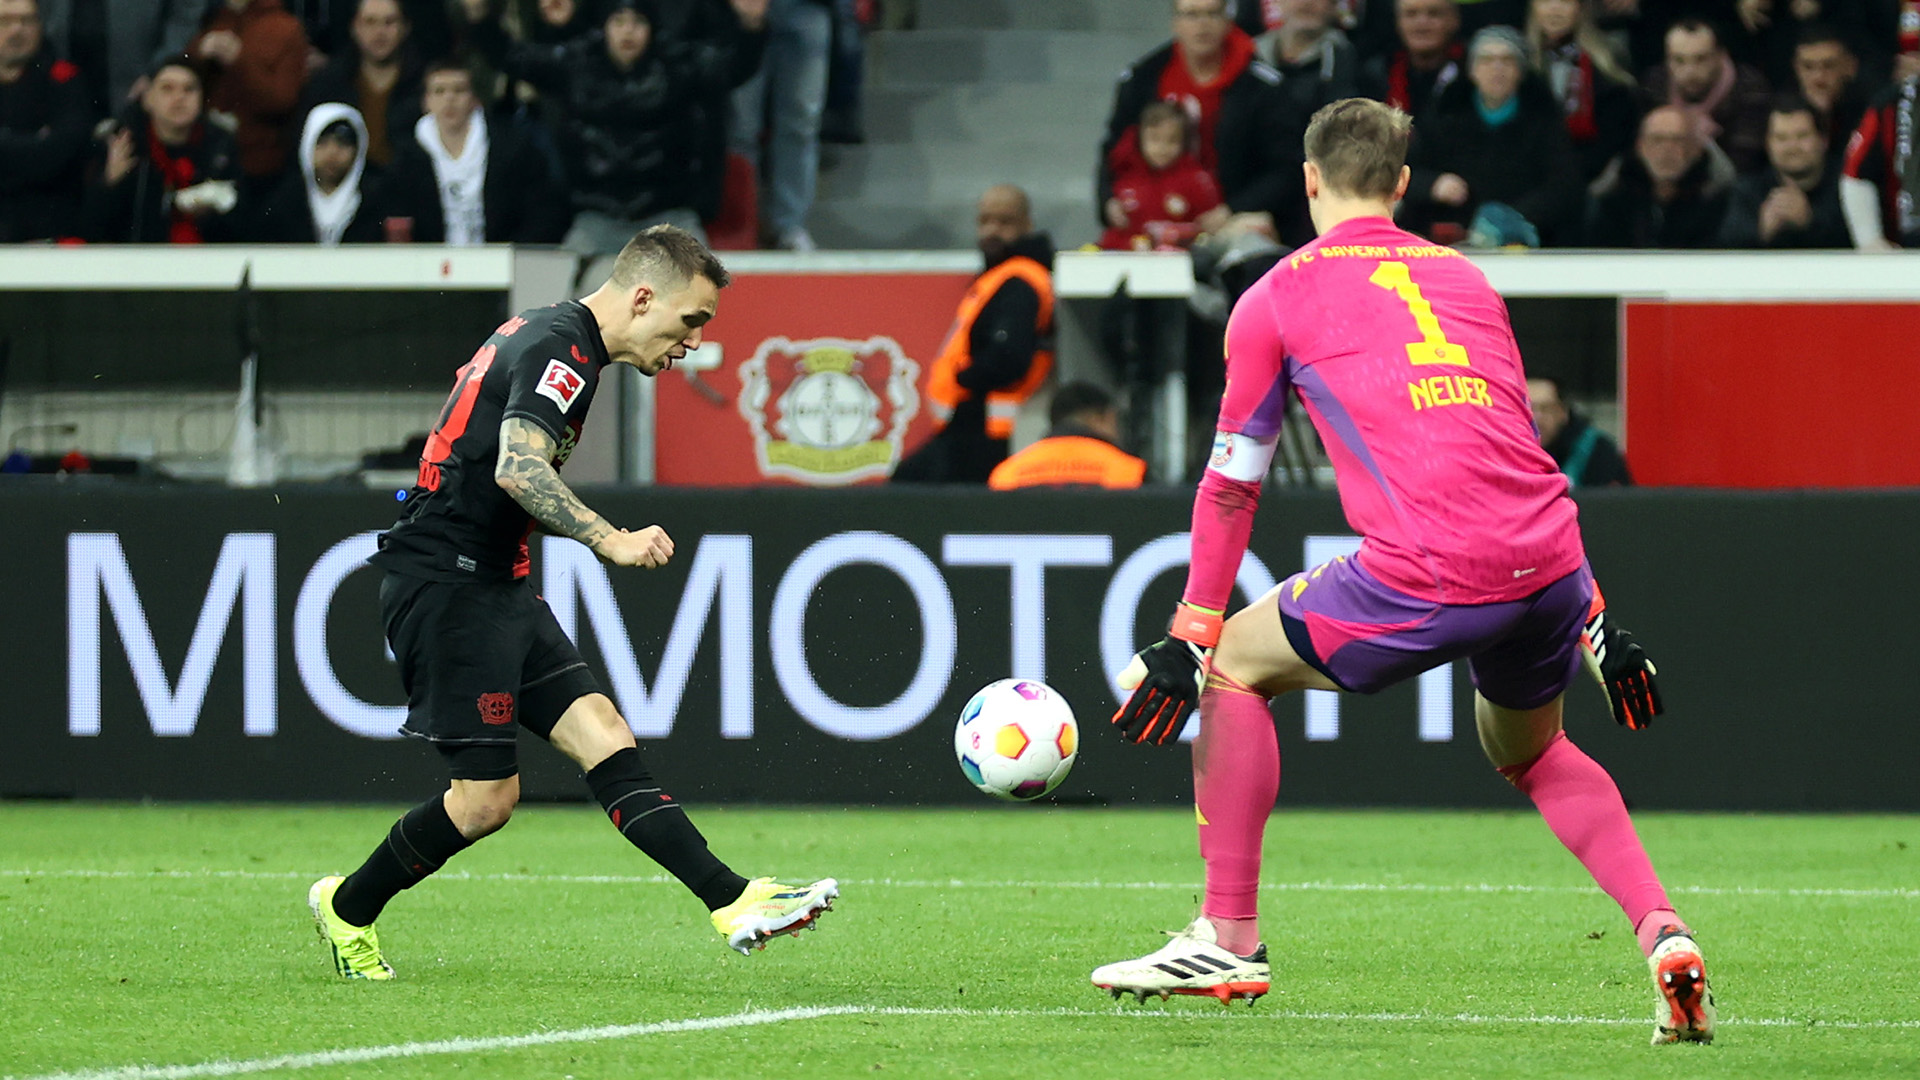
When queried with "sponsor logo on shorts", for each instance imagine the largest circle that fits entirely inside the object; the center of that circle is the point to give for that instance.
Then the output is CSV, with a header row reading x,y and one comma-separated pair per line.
x,y
496,709
465,562
561,384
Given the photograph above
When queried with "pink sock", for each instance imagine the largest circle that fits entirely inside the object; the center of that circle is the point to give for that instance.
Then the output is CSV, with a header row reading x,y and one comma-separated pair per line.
x,y
1236,777
1583,808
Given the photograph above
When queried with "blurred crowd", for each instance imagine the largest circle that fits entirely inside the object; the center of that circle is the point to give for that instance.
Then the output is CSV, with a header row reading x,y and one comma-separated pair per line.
x,y
1568,123
456,121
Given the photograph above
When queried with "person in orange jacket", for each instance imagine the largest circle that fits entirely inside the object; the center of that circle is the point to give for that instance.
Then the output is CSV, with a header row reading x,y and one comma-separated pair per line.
x,y
1082,447
998,352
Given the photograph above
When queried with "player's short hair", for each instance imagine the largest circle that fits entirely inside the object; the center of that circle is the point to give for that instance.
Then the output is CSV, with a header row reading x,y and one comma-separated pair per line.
x,y
666,255
1359,146
1162,112
1789,103
1077,399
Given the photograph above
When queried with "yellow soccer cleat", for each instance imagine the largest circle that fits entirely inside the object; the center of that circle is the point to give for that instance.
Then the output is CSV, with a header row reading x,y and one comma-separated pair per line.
x,y
356,949
767,909
1685,1010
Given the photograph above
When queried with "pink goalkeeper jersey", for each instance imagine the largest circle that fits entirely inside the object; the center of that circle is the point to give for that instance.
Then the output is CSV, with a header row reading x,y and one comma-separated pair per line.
x,y
1402,354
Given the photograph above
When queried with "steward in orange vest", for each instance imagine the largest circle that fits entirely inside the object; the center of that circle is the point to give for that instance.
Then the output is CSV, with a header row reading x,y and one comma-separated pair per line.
x,y
998,352
1079,451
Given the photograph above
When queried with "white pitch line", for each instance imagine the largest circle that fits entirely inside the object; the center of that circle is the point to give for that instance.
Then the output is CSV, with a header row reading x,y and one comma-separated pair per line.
x,y
958,883
758,1017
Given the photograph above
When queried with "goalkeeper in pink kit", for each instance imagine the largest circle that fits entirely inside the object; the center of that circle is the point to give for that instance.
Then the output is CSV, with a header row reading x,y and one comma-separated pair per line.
x,y
1403,358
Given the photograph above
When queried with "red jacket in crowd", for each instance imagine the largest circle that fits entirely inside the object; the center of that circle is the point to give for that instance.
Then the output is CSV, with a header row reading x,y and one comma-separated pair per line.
x,y
1161,204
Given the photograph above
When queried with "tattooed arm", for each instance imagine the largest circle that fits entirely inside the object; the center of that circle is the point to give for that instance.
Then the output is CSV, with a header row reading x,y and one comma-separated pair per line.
x,y
525,471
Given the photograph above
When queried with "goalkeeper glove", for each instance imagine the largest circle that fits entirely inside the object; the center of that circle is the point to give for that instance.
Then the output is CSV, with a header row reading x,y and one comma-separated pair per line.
x,y
1166,678
1623,668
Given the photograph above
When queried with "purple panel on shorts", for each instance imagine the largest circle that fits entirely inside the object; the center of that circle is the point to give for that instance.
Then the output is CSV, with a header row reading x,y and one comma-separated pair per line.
x,y
1366,636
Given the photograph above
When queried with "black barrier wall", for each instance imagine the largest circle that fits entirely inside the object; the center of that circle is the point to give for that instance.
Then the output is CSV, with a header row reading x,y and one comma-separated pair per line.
x,y
814,646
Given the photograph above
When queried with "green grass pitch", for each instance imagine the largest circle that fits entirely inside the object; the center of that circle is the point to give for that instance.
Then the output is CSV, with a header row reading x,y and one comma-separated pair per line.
x,y
1404,944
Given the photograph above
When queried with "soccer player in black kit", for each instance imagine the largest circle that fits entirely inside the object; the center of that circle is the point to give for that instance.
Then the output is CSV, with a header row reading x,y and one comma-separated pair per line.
x,y
480,654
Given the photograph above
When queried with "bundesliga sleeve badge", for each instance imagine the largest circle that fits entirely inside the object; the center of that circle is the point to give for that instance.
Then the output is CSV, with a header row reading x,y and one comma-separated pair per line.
x,y
561,385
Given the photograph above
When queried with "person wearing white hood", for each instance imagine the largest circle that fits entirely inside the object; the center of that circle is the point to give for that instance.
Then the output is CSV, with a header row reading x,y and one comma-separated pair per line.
x,y
325,202
463,181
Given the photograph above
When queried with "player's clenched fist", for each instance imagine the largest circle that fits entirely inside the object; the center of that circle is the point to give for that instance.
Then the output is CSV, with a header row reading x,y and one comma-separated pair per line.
x,y
650,547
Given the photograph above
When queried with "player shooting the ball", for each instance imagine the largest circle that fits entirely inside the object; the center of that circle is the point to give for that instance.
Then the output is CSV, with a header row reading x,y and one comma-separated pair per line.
x,y
481,655
1404,360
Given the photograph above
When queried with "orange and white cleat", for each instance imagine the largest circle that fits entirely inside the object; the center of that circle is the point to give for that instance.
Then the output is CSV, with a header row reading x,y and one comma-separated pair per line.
x,y
1685,1009
1193,963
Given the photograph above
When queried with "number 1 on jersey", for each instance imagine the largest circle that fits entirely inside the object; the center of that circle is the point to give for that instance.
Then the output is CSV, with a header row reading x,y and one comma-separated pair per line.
x,y
1433,346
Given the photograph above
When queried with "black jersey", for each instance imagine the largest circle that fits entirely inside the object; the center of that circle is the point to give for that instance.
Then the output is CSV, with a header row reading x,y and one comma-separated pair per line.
x,y
456,524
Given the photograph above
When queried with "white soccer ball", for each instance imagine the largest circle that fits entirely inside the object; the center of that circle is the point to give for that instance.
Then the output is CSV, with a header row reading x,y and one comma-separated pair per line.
x,y
1016,739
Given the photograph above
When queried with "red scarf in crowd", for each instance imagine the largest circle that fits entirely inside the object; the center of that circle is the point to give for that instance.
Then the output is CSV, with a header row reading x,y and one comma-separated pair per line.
x,y
176,172
1202,101
1578,101
1400,75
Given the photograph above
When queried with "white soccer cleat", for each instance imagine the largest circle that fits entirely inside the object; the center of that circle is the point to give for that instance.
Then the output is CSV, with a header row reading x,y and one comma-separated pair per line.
x,y
1684,1012
1192,963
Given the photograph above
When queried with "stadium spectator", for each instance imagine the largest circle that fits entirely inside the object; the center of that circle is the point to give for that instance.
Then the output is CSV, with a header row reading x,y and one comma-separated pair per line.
x,y
255,57
996,354
329,26
843,120
1865,28
1828,75
1316,62
167,176
1159,183
324,201
622,112
377,74
1670,192
1082,447
463,180
776,118
1586,455
1795,201
44,121
1491,160
555,22
1729,100
737,29
1426,62
115,43
1595,90
1248,138
1881,169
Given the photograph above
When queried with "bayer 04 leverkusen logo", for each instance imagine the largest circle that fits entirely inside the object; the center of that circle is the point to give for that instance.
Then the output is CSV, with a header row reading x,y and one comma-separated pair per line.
x,y
828,410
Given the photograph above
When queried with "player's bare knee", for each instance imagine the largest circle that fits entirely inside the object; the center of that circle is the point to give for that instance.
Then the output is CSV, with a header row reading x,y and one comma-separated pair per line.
x,y
479,808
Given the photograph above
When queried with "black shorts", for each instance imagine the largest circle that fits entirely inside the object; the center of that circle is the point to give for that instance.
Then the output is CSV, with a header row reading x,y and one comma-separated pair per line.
x,y
480,661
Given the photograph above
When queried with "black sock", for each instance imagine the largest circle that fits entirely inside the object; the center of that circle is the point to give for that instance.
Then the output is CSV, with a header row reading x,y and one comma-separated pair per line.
x,y
417,845
654,823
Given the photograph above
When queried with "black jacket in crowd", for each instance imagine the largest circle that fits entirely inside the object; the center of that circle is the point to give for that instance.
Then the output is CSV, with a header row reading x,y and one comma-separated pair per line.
x,y
1256,140
622,134
520,202
139,209
1330,72
711,25
1622,212
1827,228
1527,162
44,121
